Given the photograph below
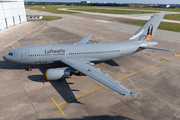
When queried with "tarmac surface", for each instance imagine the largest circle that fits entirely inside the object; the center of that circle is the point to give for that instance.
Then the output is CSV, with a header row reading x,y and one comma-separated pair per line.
x,y
25,95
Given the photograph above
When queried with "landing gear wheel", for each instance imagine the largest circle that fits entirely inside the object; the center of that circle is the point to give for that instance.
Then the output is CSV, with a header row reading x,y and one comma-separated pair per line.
x,y
29,68
80,74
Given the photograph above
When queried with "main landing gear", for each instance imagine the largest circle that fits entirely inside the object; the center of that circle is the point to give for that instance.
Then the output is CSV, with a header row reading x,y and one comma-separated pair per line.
x,y
29,68
80,74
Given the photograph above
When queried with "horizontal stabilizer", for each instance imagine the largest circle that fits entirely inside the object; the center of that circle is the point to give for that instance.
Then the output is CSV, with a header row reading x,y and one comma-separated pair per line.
x,y
85,40
156,48
135,94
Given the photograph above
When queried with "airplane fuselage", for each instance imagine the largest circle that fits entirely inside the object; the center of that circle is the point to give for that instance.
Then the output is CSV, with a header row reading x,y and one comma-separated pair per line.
x,y
46,54
79,56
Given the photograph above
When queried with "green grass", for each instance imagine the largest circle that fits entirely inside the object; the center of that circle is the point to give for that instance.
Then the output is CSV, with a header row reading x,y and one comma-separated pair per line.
x,y
52,17
113,11
157,9
172,17
140,23
47,18
52,9
115,7
163,25
37,20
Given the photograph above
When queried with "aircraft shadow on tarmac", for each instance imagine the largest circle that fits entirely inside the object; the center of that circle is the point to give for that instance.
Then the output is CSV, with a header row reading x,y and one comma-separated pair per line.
x,y
109,62
8,65
61,86
102,117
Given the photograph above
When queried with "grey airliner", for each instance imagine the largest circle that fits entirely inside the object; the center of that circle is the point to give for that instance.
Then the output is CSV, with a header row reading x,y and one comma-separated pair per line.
x,y
81,55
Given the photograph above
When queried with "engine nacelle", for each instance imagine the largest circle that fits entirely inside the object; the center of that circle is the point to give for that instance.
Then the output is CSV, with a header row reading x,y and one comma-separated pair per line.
x,y
58,73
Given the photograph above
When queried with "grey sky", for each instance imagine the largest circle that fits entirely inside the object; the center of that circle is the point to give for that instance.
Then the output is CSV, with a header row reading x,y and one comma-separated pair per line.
x,y
117,1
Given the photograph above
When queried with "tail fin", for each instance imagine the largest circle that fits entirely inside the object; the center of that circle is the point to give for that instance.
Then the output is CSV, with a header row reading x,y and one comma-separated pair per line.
x,y
146,32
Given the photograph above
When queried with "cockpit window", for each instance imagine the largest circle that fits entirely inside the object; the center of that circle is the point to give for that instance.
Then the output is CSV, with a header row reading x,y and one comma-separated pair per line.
x,y
11,54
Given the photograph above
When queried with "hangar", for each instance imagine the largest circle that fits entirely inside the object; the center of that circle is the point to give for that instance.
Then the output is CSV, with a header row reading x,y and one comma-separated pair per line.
x,y
12,13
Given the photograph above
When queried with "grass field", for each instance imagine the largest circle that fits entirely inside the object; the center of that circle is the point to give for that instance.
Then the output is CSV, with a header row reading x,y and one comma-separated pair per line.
x,y
95,7
47,18
157,9
172,17
113,11
163,25
52,9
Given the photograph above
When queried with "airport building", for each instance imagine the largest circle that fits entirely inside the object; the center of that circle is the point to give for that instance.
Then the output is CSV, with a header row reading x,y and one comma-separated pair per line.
x,y
12,13
86,2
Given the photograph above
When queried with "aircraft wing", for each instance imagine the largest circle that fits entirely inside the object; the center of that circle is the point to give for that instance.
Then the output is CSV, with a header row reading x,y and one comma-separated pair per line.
x,y
85,40
96,74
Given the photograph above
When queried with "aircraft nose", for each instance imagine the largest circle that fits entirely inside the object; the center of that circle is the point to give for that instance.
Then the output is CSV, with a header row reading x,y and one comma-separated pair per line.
x,y
4,57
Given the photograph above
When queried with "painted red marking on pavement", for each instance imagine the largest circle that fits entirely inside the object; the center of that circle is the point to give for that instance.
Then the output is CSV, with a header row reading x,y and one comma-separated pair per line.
x,y
24,96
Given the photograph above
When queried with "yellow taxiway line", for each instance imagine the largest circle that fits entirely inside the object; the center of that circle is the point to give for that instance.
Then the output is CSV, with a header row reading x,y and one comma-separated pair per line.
x,y
81,95
145,68
104,85
177,55
57,106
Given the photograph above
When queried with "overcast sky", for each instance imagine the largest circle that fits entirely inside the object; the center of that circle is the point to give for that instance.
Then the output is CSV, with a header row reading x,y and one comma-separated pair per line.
x,y
116,1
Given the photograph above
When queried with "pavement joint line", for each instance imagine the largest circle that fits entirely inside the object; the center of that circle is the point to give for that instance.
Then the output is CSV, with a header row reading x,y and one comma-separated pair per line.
x,y
145,68
161,52
116,80
24,96
81,95
57,106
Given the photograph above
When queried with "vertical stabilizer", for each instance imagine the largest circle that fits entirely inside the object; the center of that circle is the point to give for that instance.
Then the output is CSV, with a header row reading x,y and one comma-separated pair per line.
x,y
146,32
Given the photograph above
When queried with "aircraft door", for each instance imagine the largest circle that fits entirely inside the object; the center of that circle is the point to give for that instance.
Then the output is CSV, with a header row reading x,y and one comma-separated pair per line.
x,y
67,54
22,55
123,50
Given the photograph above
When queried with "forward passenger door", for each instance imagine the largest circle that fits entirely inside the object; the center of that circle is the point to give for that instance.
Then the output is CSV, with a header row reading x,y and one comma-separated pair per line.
x,y
22,55
123,50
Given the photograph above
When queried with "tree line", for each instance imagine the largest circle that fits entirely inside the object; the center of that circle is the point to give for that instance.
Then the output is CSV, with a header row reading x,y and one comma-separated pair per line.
x,y
75,4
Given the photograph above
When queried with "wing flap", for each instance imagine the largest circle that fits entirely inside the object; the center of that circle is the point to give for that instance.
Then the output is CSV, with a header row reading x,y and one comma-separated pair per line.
x,y
97,75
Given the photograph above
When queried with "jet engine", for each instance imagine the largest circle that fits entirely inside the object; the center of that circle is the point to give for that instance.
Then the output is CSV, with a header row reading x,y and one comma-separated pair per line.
x,y
58,73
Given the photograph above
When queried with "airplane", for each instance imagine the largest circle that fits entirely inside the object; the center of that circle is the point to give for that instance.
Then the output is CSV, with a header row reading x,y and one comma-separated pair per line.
x,y
81,55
